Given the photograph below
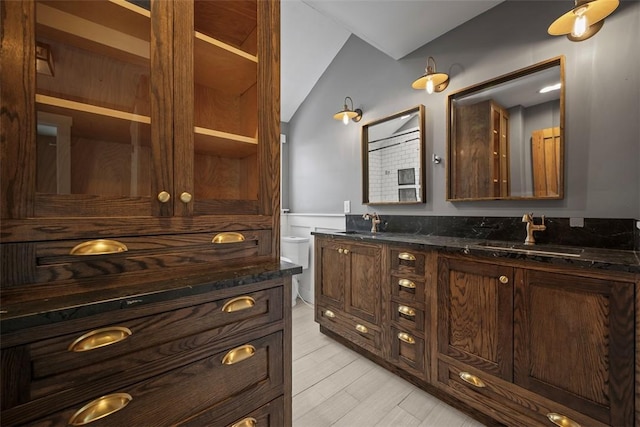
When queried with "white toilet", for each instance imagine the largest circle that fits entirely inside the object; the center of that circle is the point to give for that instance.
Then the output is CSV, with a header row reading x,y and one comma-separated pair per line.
x,y
295,250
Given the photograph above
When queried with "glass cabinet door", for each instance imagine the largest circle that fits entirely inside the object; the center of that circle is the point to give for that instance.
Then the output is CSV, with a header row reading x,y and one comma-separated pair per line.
x,y
95,154
221,98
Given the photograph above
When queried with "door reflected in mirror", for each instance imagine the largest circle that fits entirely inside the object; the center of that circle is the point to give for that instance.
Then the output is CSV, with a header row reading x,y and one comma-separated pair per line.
x,y
505,136
393,159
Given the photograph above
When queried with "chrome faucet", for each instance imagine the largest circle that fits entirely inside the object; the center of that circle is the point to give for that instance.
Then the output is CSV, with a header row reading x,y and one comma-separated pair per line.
x,y
531,227
375,221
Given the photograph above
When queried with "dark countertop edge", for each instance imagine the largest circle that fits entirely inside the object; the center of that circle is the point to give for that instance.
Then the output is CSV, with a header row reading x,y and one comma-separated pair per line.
x,y
594,258
42,312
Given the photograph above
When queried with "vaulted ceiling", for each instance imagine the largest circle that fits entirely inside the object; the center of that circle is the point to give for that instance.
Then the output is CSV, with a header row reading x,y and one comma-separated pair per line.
x,y
314,31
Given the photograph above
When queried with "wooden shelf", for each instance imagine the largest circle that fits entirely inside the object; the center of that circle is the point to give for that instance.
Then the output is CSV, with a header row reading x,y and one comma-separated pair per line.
x,y
212,142
91,121
222,67
232,22
118,29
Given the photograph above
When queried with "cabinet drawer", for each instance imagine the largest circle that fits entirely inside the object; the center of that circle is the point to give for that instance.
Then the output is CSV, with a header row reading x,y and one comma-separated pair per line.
x,y
408,317
408,351
358,331
407,288
147,339
269,415
507,398
407,261
243,372
55,260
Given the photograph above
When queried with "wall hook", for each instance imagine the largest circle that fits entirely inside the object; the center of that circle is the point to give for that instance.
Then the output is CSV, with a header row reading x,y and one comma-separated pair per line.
x,y
436,159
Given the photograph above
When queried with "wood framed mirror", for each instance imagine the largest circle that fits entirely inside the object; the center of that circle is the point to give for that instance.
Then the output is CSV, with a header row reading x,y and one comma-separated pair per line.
x,y
393,159
505,136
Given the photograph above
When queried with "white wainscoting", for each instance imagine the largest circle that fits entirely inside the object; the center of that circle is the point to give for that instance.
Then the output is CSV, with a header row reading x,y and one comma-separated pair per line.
x,y
302,225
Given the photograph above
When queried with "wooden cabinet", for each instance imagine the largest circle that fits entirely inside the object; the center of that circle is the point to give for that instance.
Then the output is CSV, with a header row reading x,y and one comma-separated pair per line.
x,y
347,290
154,122
410,308
481,157
214,356
535,345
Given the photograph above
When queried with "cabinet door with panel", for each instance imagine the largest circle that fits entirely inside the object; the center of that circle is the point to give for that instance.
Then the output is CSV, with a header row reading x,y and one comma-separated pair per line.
x,y
475,315
574,343
126,108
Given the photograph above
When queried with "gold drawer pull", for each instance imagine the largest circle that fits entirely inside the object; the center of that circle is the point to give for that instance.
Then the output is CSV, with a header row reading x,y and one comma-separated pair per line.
x,y
99,247
99,338
561,420
362,329
472,379
407,311
406,256
100,408
503,279
238,354
406,283
330,314
247,422
403,336
228,237
238,304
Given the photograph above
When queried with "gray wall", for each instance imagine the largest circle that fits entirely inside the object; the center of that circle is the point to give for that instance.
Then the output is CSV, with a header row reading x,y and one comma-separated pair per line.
x,y
602,124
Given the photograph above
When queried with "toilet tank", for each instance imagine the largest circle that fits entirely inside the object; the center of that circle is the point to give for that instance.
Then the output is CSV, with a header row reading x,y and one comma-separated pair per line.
x,y
296,249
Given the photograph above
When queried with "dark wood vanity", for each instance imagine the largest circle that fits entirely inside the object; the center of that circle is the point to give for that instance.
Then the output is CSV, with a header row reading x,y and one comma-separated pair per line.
x,y
513,338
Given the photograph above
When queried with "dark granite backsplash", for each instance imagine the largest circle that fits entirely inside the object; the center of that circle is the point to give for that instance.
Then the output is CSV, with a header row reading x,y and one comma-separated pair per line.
x,y
596,233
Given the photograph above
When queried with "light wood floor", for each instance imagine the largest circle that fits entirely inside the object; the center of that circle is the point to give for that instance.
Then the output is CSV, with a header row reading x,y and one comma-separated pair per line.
x,y
334,386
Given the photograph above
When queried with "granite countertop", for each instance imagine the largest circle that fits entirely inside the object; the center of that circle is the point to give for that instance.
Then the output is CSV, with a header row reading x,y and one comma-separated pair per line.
x,y
29,311
579,257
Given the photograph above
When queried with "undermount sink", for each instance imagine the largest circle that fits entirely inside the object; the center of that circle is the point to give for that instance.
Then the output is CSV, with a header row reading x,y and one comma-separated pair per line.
x,y
532,249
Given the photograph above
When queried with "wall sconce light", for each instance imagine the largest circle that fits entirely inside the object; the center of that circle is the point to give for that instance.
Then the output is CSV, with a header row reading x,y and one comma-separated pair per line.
x,y
348,113
584,20
44,59
432,81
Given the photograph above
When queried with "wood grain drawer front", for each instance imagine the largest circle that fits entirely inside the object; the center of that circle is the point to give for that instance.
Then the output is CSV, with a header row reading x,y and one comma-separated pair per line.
x,y
269,415
209,384
408,317
407,288
54,260
508,398
358,331
55,367
408,351
408,261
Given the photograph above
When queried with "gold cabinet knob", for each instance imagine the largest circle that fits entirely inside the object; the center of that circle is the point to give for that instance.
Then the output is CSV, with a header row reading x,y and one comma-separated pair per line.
x,y
100,408
472,379
504,279
403,336
98,247
99,338
186,197
407,311
238,304
406,283
164,197
561,420
238,354
330,314
247,422
340,250
345,251
362,329
406,256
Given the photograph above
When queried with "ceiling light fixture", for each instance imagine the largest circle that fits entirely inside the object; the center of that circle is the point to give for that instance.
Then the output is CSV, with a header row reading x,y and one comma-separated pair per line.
x,y
432,81
553,87
348,113
584,20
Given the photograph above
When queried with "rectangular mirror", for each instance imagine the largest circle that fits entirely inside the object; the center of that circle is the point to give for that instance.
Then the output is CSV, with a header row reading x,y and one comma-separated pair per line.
x,y
506,136
393,159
